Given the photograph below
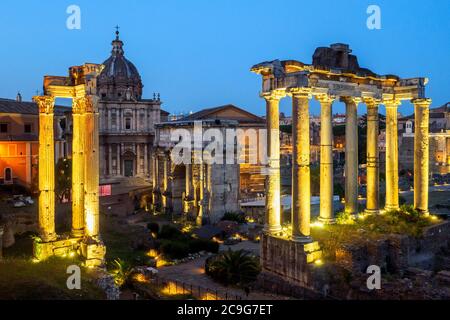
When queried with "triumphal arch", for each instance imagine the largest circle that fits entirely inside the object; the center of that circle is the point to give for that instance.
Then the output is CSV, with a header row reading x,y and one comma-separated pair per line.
x,y
84,239
334,74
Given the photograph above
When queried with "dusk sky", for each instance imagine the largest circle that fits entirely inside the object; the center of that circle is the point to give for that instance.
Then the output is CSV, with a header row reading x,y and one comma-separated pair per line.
x,y
198,53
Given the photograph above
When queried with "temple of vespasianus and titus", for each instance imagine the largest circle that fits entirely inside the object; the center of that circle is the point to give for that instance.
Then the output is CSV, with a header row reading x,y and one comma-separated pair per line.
x,y
85,238
334,74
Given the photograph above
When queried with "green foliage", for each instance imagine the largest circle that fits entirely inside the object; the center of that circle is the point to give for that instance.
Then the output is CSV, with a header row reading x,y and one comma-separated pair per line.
x,y
197,245
121,272
233,268
63,177
153,227
344,218
174,249
170,232
234,216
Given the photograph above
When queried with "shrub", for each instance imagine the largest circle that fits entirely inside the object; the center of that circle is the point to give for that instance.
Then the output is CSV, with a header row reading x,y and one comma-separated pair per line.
x,y
153,227
233,268
234,216
174,249
121,272
197,245
170,232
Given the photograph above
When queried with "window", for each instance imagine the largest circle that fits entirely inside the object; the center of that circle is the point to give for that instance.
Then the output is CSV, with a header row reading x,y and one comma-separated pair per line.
x,y
28,128
127,123
8,176
3,128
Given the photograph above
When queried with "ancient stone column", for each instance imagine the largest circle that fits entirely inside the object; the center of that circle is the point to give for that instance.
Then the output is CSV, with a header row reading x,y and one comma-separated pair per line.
x,y
391,155
198,160
46,168
301,181
78,163
188,183
273,196
372,202
351,154
164,183
421,154
326,160
91,167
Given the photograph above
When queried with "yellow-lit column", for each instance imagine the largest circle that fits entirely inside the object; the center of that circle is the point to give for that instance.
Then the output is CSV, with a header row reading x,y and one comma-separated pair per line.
x,y
372,202
351,154
164,184
198,160
91,168
391,155
78,141
46,168
326,160
301,181
188,183
421,154
273,197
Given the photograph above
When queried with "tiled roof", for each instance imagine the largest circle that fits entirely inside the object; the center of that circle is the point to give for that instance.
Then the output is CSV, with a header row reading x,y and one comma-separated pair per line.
x,y
25,107
209,114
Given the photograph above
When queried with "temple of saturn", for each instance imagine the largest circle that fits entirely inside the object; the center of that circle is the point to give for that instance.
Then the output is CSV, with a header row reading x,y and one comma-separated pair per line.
x,y
85,237
334,74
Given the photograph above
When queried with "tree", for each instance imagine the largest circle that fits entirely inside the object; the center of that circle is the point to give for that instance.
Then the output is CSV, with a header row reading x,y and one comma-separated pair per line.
x,y
63,177
234,267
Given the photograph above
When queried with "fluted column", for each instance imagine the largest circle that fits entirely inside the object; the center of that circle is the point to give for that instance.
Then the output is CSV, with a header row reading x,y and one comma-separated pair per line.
x,y
91,201
326,160
78,162
46,168
164,183
301,180
187,192
421,154
273,197
391,155
351,154
372,202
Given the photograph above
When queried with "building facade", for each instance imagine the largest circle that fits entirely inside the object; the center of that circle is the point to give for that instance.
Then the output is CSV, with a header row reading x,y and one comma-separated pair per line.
x,y
19,143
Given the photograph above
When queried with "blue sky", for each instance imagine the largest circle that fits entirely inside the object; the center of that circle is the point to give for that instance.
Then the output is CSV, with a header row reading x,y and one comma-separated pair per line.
x,y
197,53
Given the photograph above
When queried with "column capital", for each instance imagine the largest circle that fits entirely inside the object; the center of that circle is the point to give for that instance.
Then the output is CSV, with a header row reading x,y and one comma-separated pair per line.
x,y
46,104
392,103
325,98
350,99
273,95
421,102
300,92
371,102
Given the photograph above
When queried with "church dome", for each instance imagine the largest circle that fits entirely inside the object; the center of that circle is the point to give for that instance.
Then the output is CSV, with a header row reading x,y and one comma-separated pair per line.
x,y
119,79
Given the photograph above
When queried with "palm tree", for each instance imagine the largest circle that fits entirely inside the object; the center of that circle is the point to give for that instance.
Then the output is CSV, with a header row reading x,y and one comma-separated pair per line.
x,y
121,272
234,267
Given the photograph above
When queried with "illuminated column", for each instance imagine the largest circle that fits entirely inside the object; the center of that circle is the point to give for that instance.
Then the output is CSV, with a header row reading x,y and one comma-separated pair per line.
x,y
326,160
199,219
46,168
351,154
91,167
187,191
372,205
273,196
421,154
79,130
391,155
164,183
301,181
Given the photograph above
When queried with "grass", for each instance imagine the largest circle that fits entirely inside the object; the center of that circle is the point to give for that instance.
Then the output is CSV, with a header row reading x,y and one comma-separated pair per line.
x,y
22,279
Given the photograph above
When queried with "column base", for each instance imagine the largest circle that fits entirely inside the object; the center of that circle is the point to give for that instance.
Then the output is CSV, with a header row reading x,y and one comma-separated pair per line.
x,y
391,208
372,211
326,220
302,239
425,212
93,252
77,233
272,230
